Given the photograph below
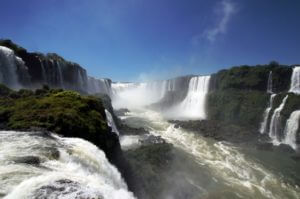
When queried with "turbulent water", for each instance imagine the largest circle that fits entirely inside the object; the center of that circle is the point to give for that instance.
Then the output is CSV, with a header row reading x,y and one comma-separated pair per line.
x,y
226,170
111,122
37,165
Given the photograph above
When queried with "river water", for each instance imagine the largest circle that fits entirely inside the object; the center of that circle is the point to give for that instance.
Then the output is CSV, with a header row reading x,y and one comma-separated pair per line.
x,y
225,170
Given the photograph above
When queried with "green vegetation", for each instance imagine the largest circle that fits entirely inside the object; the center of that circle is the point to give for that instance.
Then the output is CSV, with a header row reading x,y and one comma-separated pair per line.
x,y
253,77
239,107
63,112
239,94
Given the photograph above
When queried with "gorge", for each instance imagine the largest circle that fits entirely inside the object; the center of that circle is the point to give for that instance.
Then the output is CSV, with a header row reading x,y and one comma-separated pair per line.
x,y
194,136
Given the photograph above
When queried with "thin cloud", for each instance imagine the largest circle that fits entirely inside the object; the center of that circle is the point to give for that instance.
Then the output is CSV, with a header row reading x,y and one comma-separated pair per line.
x,y
226,9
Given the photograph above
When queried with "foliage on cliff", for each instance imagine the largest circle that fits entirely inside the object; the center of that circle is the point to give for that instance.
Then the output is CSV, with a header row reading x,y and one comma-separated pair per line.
x,y
238,95
253,77
240,107
63,112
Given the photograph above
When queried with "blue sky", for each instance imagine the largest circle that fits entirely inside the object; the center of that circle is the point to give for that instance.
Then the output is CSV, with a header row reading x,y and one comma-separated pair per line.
x,y
134,40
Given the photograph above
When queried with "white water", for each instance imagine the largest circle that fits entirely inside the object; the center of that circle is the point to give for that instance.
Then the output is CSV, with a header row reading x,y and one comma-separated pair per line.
x,y
263,126
81,171
193,106
270,85
8,67
139,95
291,128
295,80
274,131
99,86
229,169
111,123
133,95
130,141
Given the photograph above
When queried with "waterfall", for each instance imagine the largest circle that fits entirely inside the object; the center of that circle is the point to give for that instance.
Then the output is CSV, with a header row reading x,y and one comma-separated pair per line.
x,y
8,68
37,165
60,74
44,75
163,90
99,86
291,128
295,80
274,131
263,127
270,86
80,80
193,106
180,98
111,123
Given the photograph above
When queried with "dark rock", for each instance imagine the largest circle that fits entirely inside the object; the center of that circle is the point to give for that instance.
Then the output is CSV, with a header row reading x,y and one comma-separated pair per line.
x,y
32,160
151,139
284,148
296,157
265,146
217,130
127,130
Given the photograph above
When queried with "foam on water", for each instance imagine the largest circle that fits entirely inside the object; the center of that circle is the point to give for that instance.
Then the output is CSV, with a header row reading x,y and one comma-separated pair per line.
x,y
245,176
81,170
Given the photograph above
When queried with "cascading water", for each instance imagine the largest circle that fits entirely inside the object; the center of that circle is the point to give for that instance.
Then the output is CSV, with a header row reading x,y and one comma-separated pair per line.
x,y
60,74
178,98
274,131
44,75
38,165
295,80
270,85
80,80
111,123
193,106
99,86
263,127
8,67
291,128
